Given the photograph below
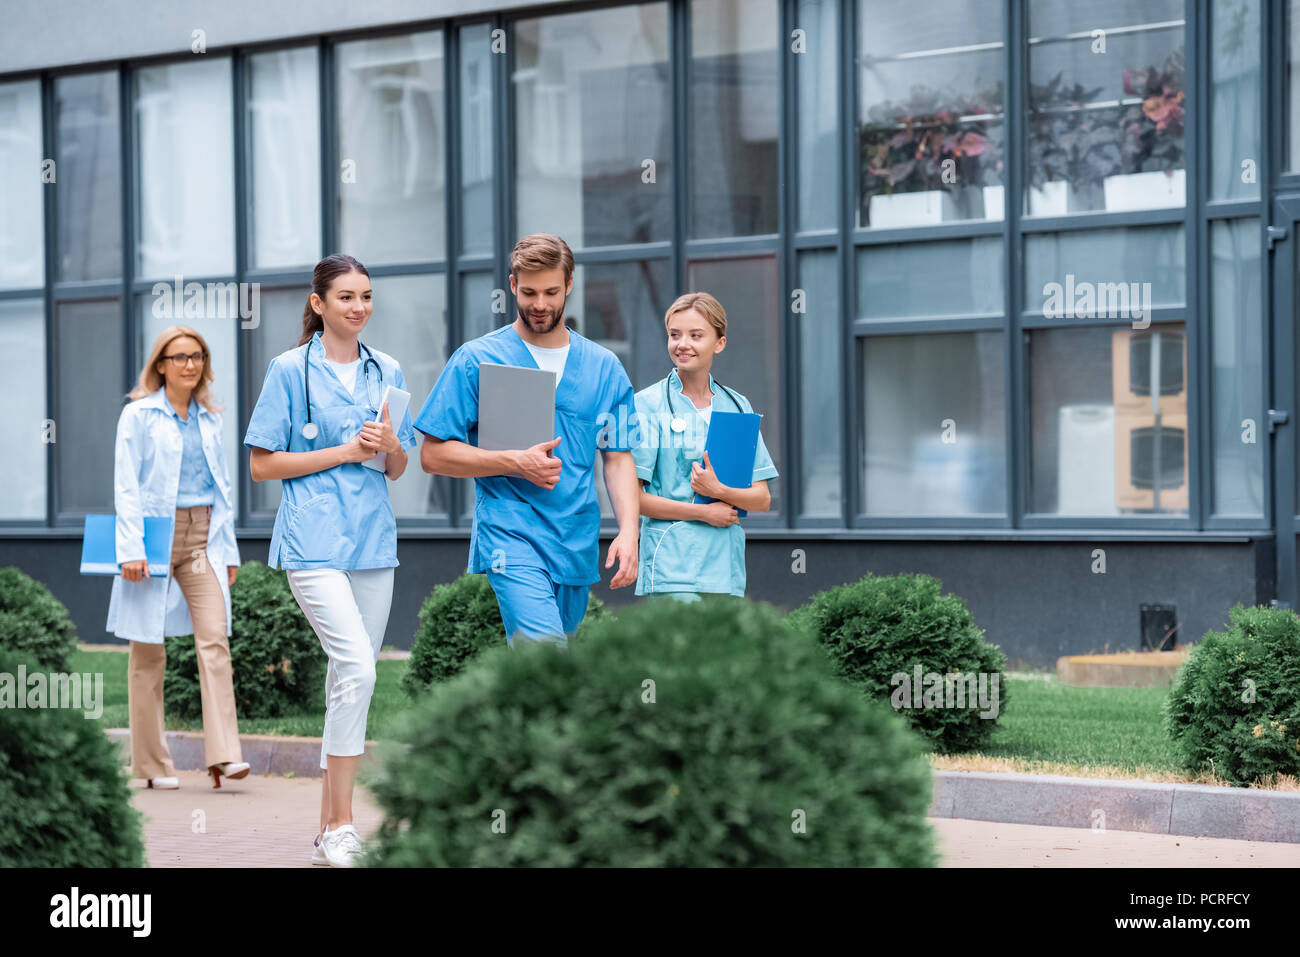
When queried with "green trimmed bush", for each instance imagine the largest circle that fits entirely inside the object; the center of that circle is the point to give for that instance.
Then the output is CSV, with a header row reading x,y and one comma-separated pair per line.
x,y
883,627
457,623
33,621
1234,708
673,735
65,795
279,667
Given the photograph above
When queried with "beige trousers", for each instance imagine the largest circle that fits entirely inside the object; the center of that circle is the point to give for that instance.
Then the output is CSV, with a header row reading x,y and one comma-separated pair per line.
x,y
150,756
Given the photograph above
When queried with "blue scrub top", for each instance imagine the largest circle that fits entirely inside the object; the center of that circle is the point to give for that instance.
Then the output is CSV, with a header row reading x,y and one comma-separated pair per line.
x,y
517,522
339,517
686,556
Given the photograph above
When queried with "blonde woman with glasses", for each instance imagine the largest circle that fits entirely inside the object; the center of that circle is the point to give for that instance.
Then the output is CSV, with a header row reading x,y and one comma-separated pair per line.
x,y
170,461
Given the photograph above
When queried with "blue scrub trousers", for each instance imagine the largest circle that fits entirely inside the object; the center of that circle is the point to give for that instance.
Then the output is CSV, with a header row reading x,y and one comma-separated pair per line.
x,y
536,607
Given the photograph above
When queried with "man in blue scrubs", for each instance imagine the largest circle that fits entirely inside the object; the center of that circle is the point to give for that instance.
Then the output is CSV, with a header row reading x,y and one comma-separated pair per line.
x,y
536,536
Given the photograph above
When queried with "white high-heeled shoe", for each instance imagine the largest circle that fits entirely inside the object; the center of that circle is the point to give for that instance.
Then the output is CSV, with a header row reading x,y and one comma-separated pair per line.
x,y
163,784
230,769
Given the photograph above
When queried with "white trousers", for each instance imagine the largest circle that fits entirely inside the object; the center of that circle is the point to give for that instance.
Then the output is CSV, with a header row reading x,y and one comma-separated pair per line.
x,y
348,610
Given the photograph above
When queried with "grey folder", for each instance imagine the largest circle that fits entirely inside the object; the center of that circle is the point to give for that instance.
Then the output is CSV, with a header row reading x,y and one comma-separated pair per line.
x,y
516,407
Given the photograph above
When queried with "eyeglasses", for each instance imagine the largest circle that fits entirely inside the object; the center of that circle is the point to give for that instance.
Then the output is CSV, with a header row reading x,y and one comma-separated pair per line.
x,y
181,359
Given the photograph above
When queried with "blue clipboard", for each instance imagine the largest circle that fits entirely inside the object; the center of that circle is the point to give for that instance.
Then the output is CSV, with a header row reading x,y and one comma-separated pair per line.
x,y
99,545
732,444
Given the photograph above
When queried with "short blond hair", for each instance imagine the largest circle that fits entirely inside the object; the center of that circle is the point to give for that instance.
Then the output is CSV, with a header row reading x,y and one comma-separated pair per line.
x,y
539,251
703,303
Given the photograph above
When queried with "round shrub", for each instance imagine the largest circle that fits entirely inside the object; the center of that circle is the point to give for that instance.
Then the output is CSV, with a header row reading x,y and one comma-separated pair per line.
x,y
1234,708
672,735
66,797
457,622
279,667
880,630
33,621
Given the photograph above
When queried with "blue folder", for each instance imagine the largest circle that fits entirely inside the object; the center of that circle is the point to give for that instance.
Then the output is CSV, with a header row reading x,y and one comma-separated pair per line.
x,y
99,545
732,443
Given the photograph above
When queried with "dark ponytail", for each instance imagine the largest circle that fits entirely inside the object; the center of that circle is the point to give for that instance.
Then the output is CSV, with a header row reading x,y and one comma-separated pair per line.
x,y
327,270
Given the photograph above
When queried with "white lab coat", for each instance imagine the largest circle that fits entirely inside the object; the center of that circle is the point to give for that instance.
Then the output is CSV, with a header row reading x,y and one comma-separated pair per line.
x,y
146,478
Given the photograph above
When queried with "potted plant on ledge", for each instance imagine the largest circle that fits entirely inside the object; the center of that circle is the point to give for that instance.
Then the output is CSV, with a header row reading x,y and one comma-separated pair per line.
x,y
1154,173
1073,147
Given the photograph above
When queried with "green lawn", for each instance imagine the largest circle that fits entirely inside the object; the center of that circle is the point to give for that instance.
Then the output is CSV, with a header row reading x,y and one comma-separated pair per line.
x,y
1115,727
389,700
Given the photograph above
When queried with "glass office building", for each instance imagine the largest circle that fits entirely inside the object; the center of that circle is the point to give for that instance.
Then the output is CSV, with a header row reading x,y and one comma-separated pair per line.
x,y
1013,283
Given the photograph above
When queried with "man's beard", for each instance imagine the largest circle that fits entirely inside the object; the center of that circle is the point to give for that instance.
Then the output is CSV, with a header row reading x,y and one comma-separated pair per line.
x,y
557,319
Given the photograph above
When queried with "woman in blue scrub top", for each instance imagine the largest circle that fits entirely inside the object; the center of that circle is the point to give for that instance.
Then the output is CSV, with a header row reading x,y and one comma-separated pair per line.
x,y
321,414
688,549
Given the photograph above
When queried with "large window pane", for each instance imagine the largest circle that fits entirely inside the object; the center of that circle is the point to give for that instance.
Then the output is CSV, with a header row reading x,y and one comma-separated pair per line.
x,y
751,362
477,141
818,114
1108,413
410,324
90,394
278,329
933,424
284,144
219,329
1236,322
1086,273
22,210
621,307
959,277
186,170
821,400
23,435
1234,99
90,176
931,131
734,108
592,139
1106,110
392,131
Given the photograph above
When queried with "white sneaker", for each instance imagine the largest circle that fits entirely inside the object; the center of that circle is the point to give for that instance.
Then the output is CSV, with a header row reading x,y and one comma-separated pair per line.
x,y
164,784
341,845
318,853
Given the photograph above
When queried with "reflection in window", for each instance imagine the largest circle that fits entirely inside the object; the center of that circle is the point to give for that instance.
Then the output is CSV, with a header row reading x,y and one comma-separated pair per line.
x,y
1106,112
820,383
476,138
933,424
22,209
592,138
960,277
1108,410
186,170
392,132
90,176
284,145
931,127
1096,273
1234,99
89,398
818,114
734,107
22,374
1238,374
751,362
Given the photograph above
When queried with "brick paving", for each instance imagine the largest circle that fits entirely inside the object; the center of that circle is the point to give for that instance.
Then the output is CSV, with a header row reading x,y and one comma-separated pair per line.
x,y
264,820
270,821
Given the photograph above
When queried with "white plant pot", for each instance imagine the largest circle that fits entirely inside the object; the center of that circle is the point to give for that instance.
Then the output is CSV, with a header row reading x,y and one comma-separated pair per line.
x,y
1054,198
994,202
888,210
1158,190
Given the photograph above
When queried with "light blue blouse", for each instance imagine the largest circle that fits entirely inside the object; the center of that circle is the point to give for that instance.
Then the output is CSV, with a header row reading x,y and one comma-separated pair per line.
x,y
196,486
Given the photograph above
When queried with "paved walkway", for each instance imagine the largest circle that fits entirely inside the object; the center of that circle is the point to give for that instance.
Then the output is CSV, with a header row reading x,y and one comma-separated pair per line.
x,y
270,821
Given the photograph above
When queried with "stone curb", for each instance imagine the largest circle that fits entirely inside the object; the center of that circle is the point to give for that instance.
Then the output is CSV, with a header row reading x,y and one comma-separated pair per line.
x,y
1194,810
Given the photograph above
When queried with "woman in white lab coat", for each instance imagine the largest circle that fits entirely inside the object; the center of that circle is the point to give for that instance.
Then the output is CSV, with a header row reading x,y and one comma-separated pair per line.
x,y
170,462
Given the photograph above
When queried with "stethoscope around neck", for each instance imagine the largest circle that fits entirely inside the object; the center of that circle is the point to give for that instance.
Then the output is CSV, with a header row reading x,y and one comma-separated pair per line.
x,y
310,430
678,424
